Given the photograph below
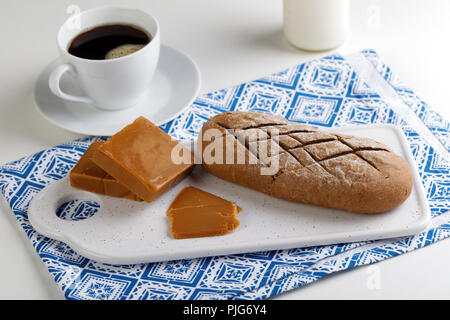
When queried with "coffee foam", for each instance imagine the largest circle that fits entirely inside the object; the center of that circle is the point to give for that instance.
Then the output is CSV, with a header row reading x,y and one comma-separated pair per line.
x,y
123,50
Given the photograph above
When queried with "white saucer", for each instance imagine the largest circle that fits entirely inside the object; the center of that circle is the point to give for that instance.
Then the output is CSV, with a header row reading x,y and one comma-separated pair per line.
x,y
174,87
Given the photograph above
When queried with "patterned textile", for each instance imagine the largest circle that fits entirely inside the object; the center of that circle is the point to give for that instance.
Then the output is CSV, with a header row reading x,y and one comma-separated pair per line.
x,y
332,91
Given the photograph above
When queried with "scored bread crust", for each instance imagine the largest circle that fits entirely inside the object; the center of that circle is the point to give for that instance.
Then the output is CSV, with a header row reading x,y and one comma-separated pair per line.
x,y
325,169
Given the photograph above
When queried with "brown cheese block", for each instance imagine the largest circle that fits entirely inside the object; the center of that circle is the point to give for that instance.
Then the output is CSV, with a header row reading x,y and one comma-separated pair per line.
x,y
196,213
88,176
140,157
330,170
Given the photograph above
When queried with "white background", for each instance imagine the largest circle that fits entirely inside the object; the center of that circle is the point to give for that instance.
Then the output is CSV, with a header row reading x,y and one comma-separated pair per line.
x,y
232,41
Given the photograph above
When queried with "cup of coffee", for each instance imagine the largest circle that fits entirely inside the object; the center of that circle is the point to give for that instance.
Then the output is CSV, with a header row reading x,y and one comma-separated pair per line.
x,y
112,51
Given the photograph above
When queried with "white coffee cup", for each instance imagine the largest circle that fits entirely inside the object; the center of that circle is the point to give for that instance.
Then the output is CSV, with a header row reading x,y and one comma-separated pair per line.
x,y
111,84
316,25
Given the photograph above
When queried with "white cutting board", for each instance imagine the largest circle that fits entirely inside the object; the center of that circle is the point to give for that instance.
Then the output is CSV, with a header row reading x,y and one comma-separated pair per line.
x,y
129,232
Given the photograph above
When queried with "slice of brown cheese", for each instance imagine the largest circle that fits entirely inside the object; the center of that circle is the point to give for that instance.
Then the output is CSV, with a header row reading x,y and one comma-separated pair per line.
x,y
140,157
86,175
197,213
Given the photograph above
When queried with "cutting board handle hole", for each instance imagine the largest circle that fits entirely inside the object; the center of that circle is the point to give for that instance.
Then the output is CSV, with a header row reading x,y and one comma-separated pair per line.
x,y
76,210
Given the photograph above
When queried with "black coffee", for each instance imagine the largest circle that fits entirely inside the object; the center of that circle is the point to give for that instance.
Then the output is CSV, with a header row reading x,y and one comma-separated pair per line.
x,y
96,43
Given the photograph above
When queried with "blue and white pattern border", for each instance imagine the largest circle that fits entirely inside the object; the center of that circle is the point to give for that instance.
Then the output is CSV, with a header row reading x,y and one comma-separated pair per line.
x,y
324,92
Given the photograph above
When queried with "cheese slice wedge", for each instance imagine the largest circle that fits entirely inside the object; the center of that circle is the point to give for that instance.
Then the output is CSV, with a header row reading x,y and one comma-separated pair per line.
x,y
88,176
197,213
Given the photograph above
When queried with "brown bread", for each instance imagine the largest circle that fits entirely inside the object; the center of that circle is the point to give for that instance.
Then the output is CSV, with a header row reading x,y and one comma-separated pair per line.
x,y
314,167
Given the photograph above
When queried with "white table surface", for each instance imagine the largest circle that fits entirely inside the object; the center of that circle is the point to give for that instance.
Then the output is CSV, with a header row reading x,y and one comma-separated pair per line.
x,y
232,41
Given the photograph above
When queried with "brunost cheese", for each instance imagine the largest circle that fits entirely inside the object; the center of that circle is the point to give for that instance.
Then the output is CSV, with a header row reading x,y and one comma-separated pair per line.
x,y
197,213
136,163
140,157
88,176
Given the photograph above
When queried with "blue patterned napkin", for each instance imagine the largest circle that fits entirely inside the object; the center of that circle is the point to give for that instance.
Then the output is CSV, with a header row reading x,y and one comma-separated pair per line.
x,y
332,91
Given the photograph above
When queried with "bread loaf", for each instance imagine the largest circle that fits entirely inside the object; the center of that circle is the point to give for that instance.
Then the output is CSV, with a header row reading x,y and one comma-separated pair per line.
x,y
299,163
